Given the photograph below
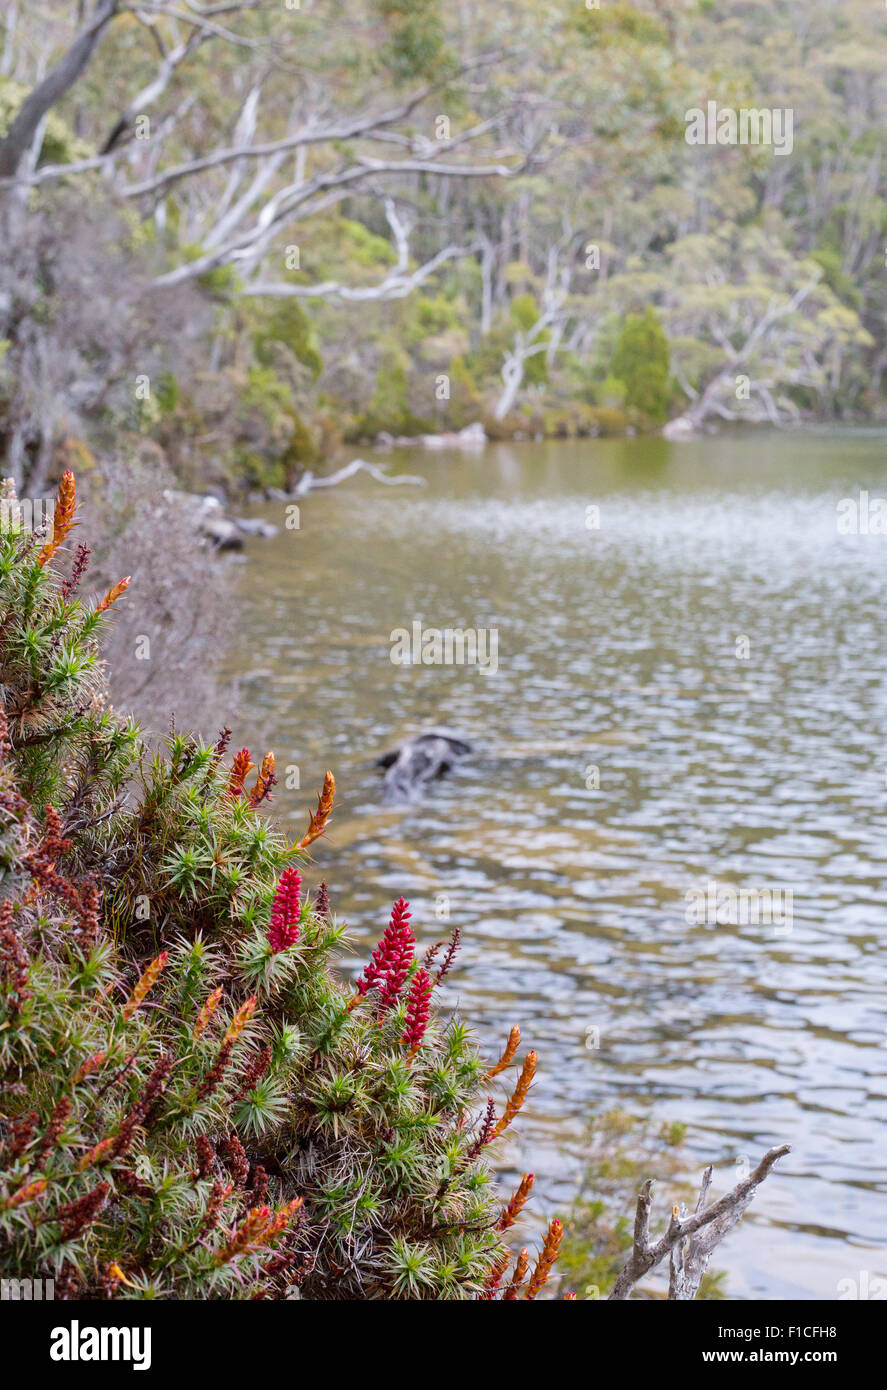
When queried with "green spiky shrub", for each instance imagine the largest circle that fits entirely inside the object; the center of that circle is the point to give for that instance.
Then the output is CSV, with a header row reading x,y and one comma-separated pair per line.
x,y
184,1111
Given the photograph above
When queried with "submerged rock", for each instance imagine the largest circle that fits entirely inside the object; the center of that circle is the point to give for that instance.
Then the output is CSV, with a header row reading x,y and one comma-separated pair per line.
x,y
255,526
680,428
206,514
420,760
223,533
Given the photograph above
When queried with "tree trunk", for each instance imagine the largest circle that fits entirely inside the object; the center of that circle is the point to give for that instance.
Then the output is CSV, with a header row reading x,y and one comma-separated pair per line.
x,y
54,86
512,376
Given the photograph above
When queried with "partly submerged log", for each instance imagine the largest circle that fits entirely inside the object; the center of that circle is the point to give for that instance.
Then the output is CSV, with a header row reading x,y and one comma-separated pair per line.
x,y
420,760
310,481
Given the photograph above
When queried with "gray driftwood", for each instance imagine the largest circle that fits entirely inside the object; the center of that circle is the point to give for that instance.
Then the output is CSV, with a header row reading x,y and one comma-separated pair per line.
x,y
310,481
689,1240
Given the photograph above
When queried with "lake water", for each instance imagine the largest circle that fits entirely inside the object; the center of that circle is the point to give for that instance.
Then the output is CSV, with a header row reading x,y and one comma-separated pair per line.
x,y
693,690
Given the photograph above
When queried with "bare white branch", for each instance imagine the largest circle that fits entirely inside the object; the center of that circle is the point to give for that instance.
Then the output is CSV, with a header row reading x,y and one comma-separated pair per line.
x,y
689,1240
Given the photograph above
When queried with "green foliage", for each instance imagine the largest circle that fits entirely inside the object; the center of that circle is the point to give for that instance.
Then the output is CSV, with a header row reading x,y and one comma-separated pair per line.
x,y
390,395
641,362
415,44
464,404
484,361
167,393
577,420
266,392
300,450
708,236
186,1112
60,144
271,440
614,23
391,408
434,315
287,323
829,260
221,281
362,246
524,313
609,422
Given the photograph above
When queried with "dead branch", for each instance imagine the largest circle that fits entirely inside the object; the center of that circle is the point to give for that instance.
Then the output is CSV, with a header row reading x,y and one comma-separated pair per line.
x,y
689,1240
351,128
249,245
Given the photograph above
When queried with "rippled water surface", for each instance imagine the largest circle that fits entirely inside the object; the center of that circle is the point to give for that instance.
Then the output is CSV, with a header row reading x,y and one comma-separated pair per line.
x,y
618,652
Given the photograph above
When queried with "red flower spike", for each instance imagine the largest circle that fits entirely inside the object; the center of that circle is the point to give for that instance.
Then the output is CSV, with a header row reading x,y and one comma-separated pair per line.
x,y
401,955
418,1009
494,1278
283,930
391,960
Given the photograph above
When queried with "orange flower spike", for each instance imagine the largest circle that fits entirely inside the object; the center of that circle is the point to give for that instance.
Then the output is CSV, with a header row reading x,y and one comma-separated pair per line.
x,y
518,1277
27,1193
517,1203
114,594
516,1099
551,1248
63,518
101,1150
250,1234
145,984
86,1068
258,1229
263,780
115,1273
240,1020
207,1012
317,822
508,1054
241,766
281,1219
